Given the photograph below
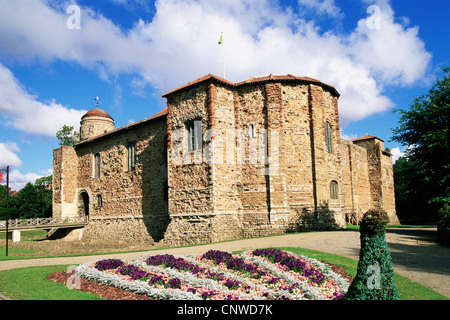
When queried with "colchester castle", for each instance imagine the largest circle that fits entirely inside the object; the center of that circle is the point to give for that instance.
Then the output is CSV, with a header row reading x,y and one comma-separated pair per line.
x,y
223,161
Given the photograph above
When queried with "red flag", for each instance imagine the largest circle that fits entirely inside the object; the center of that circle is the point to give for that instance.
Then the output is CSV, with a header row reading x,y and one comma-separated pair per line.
x,y
1,176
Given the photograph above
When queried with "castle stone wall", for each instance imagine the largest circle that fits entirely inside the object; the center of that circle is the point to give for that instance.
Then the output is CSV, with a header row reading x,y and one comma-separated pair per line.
x,y
133,203
263,167
64,182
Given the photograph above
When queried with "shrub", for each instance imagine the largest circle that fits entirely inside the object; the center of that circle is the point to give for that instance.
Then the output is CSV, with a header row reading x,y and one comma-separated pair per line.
x,y
374,222
375,275
443,225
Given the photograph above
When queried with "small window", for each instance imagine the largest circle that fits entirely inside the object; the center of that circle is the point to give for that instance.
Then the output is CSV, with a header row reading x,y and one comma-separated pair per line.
x,y
252,131
131,156
328,137
99,200
97,165
194,131
334,194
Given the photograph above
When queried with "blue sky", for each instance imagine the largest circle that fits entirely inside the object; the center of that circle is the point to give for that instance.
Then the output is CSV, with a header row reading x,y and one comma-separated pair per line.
x,y
57,56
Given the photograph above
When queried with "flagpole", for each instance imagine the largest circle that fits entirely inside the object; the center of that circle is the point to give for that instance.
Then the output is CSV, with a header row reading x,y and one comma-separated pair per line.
x,y
7,199
223,62
223,55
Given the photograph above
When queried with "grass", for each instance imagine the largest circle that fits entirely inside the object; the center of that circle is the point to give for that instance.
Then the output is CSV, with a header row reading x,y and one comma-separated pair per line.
x,y
30,283
28,235
16,253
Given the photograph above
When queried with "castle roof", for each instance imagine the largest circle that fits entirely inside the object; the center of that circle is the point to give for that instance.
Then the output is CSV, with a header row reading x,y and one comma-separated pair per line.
x,y
269,78
160,114
97,112
367,137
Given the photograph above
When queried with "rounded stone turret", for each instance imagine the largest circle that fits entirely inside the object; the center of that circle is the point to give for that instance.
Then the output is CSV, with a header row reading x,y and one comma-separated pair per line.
x,y
94,123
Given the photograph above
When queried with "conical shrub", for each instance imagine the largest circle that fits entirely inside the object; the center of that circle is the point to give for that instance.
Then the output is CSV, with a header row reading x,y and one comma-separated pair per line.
x,y
375,275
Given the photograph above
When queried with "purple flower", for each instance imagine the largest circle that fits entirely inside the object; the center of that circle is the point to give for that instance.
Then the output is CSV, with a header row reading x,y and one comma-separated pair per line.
x,y
292,263
107,264
133,271
233,263
157,279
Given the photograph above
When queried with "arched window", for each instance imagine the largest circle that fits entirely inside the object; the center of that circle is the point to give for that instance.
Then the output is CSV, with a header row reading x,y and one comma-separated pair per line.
x,y
328,137
131,156
334,191
97,165
99,200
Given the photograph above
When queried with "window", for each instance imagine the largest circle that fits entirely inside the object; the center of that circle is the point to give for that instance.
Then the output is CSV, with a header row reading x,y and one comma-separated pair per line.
x,y
99,200
97,165
252,131
131,157
328,137
334,192
194,130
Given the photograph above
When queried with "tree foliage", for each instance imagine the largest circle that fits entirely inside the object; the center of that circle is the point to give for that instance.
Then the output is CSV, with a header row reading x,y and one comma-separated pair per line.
x,y
32,201
67,136
424,175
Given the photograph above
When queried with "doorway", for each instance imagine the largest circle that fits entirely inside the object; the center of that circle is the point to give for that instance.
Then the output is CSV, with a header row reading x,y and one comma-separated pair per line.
x,y
83,205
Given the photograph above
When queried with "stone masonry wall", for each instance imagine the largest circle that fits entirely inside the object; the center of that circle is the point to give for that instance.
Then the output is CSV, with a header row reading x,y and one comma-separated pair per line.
x,y
93,126
64,184
133,203
236,193
387,178
355,178
380,171
325,164
263,168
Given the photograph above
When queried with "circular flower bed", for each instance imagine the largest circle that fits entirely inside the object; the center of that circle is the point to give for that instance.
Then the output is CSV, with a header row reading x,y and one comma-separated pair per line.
x,y
270,274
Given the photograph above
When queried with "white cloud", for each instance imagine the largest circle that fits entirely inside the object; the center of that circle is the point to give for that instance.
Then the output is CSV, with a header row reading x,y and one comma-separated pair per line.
x,y
392,52
18,180
8,155
327,7
396,154
179,44
22,110
350,136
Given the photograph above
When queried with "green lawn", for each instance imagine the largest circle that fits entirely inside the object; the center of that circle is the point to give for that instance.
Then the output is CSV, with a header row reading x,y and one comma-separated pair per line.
x,y
30,283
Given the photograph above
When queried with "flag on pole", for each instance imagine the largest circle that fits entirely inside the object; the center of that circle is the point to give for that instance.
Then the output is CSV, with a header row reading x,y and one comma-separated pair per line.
x,y
1,176
220,40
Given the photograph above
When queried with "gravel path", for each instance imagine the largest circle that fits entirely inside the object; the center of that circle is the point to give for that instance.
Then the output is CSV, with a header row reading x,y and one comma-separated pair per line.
x,y
414,254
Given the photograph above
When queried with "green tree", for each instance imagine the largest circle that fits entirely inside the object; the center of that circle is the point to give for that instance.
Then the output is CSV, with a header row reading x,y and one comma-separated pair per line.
x,y
67,136
13,204
44,182
32,201
425,129
411,194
